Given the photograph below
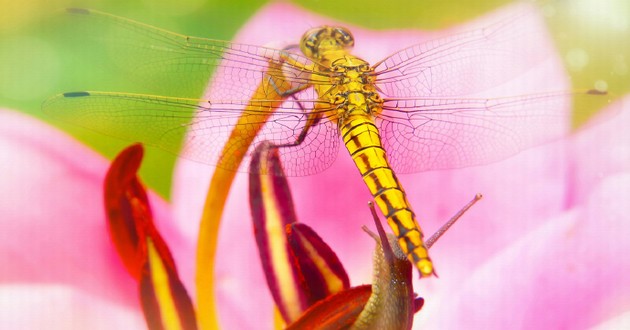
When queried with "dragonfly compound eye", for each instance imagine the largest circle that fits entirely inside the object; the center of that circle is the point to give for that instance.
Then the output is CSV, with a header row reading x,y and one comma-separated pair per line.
x,y
319,40
310,42
343,37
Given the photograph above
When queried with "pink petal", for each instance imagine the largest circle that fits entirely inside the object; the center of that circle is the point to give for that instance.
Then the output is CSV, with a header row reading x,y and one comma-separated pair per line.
x,y
334,202
41,306
53,222
569,273
619,322
601,149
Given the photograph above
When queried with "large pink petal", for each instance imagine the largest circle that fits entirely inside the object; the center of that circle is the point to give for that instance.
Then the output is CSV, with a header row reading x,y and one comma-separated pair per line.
x,y
52,217
573,262
49,306
334,202
601,149
569,273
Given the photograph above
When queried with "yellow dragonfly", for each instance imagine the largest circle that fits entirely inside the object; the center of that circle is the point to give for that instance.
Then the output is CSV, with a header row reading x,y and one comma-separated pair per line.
x,y
402,114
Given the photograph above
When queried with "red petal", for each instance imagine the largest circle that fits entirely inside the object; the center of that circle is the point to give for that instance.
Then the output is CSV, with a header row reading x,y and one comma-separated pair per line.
x,y
128,212
417,304
338,311
146,256
322,272
165,301
123,209
272,209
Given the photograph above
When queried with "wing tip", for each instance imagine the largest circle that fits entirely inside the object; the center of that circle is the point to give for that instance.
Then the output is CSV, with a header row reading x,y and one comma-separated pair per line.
x,y
80,11
597,92
76,94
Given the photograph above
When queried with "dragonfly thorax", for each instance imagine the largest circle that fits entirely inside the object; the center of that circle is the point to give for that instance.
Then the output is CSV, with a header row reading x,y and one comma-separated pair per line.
x,y
352,89
318,41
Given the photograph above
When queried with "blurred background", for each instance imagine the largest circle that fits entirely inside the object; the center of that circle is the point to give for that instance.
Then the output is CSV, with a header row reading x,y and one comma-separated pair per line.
x,y
39,49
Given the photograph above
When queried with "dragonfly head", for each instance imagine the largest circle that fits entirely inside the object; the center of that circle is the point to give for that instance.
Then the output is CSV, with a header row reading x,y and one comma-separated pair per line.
x,y
318,41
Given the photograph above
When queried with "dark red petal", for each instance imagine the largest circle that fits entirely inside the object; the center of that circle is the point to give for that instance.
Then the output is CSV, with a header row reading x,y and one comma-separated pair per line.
x,y
272,209
128,212
338,311
146,256
322,272
125,202
164,299
417,304
150,305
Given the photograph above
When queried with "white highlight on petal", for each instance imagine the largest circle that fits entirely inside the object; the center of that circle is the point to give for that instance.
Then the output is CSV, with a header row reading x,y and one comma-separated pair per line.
x,y
620,322
41,306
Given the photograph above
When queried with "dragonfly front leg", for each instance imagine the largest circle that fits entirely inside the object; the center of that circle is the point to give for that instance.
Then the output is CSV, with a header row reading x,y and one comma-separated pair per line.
x,y
287,93
313,118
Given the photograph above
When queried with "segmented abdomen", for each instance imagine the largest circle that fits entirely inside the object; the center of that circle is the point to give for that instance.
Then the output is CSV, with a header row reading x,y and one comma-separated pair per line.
x,y
363,141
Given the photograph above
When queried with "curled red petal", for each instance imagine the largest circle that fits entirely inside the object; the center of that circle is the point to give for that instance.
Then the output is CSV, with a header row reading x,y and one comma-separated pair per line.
x,y
123,204
129,214
146,256
272,209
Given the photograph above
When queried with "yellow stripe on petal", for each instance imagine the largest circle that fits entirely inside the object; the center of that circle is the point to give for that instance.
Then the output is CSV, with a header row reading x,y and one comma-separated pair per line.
x,y
319,265
145,254
333,282
272,210
162,289
277,244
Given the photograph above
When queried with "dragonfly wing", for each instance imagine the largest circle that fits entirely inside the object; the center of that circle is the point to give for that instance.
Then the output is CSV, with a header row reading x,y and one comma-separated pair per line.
x,y
440,133
199,129
466,62
171,64
315,154
179,67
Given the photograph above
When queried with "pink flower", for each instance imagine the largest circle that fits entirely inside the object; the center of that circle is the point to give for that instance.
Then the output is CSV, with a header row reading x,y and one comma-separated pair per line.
x,y
524,195
544,249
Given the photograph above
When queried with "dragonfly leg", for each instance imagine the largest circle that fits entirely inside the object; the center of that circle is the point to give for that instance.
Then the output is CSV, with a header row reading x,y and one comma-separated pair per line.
x,y
312,119
285,57
289,92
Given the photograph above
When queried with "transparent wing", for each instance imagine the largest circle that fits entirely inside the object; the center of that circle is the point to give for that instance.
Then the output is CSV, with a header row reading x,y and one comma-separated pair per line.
x,y
178,66
466,62
198,129
448,101
439,133
171,64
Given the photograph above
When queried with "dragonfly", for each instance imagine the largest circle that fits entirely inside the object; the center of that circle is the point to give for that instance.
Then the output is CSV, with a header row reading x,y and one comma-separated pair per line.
x,y
407,113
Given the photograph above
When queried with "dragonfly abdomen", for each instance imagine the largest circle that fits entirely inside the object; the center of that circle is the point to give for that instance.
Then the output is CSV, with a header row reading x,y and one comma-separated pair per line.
x,y
363,141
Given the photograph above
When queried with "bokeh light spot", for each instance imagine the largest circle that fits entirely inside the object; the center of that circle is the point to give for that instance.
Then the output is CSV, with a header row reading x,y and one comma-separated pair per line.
x,y
601,85
577,59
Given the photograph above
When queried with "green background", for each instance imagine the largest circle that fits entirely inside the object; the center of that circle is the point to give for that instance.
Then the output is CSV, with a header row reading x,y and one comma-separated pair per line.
x,y
38,50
